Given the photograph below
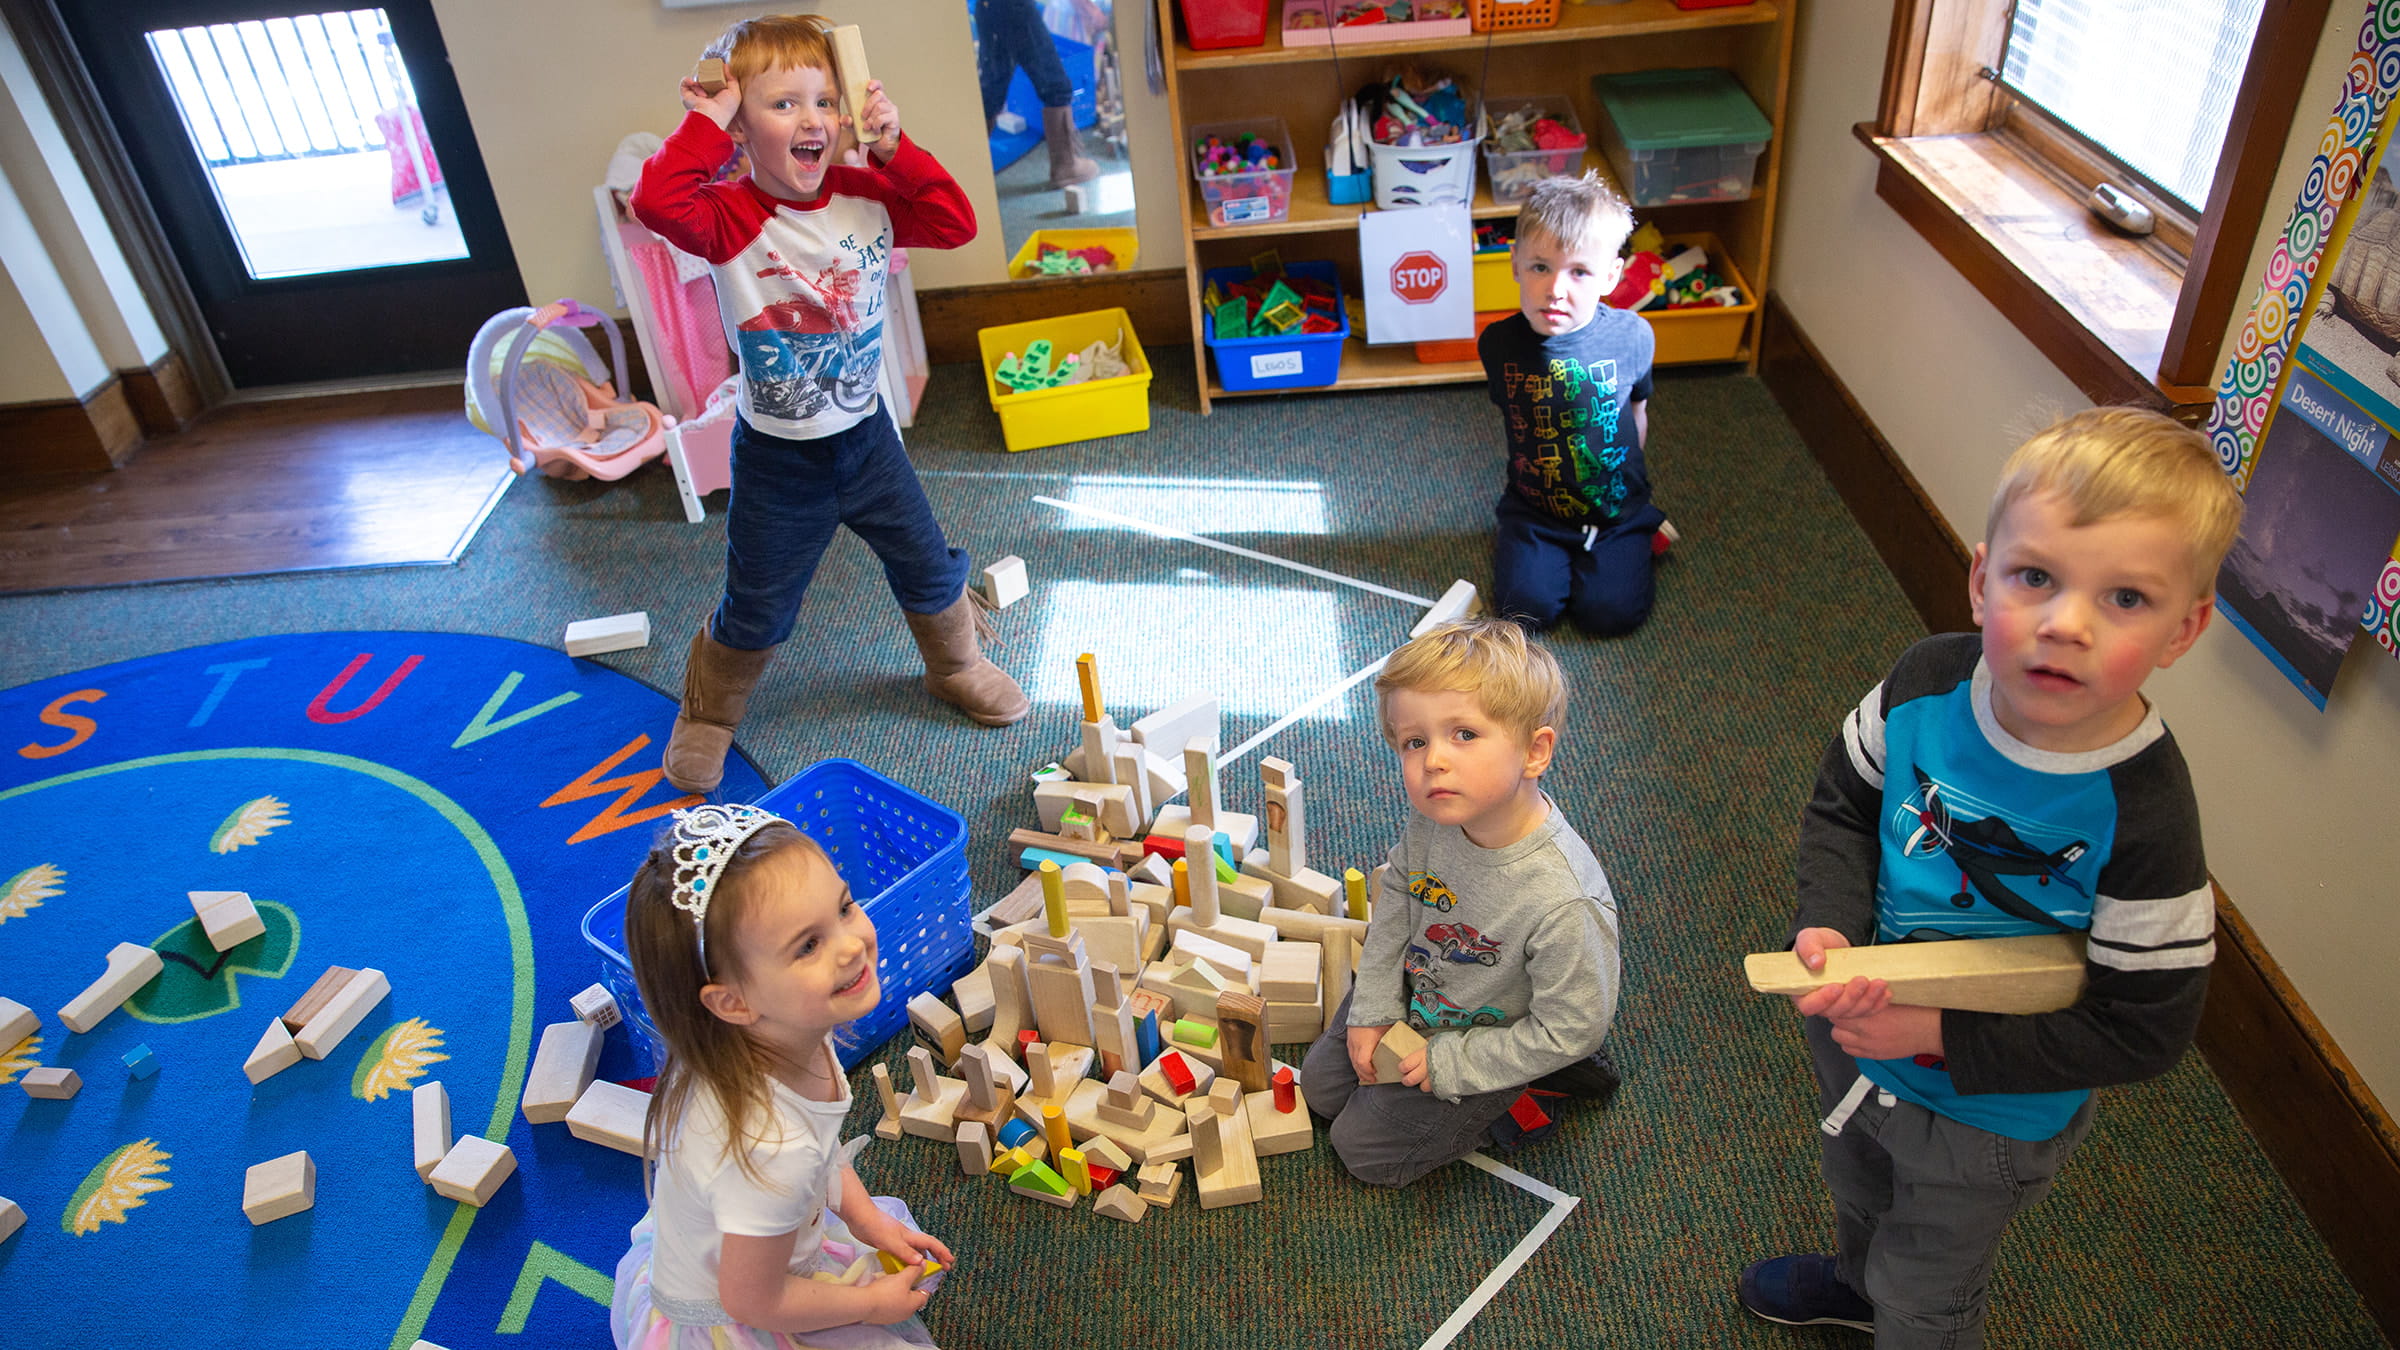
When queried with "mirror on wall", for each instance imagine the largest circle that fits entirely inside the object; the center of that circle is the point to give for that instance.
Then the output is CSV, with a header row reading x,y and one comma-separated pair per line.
x,y
1054,109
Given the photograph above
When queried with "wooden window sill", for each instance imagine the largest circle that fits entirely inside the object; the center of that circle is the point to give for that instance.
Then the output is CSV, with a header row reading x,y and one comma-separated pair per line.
x,y
2097,303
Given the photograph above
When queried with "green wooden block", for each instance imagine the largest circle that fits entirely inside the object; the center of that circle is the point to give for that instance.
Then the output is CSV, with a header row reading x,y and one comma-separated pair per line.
x,y
1037,1176
1196,1033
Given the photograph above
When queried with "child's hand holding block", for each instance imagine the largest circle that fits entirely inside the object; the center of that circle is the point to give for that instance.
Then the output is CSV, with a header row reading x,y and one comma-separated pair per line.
x,y
2043,973
710,76
1400,1040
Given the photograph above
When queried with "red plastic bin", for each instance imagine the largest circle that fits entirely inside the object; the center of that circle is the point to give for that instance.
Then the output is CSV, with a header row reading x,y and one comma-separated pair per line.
x,y
1225,23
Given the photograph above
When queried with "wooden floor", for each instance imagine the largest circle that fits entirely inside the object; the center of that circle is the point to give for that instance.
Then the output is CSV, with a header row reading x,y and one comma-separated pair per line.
x,y
352,480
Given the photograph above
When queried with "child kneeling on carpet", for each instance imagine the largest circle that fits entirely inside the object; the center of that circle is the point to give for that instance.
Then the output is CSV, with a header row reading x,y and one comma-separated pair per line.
x,y
798,249
750,952
1495,933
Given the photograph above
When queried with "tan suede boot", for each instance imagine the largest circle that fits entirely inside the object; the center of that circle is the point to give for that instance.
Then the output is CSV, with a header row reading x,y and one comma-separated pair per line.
x,y
1068,164
717,680
955,668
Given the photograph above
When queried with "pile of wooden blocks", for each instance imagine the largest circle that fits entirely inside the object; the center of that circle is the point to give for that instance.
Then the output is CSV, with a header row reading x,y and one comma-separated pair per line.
x,y
1137,947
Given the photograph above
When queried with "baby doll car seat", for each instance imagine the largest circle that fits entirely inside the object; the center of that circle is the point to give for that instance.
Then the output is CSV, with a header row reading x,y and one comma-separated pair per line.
x,y
560,413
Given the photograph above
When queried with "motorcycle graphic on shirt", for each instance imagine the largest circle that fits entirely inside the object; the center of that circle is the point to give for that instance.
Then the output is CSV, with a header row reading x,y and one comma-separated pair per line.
x,y
813,352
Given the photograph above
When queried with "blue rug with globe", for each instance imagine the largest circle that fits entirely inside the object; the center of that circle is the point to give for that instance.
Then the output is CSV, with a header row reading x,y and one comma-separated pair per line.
x,y
439,807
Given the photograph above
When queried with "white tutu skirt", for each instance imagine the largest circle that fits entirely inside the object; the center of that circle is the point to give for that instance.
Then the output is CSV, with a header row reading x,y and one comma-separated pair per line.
x,y
639,1326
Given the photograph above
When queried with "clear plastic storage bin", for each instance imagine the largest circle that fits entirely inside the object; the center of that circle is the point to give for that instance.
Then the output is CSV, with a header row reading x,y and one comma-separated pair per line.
x,y
1677,136
1512,174
1245,198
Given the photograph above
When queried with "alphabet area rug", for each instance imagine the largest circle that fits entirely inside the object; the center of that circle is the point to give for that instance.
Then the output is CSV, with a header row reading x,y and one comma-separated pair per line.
x,y
442,808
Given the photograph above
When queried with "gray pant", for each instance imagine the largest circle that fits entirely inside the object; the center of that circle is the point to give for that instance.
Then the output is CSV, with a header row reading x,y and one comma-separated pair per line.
x,y
1920,1201
1389,1134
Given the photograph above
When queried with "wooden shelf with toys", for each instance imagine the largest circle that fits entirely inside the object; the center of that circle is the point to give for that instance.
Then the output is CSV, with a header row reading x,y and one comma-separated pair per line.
x,y
1304,85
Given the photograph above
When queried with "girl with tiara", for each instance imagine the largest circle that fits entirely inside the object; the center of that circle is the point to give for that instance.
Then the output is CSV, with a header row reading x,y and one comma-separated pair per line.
x,y
749,952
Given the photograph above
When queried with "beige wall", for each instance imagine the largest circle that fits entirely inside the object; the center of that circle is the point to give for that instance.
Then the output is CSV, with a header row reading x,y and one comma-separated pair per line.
x,y
2297,804
553,85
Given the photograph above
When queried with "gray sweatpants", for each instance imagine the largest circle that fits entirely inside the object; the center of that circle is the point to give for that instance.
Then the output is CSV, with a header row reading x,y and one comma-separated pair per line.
x,y
1920,1201
1389,1134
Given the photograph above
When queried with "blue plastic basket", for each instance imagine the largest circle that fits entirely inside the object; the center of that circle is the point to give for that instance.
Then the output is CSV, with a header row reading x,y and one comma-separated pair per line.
x,y
1278,360
903,853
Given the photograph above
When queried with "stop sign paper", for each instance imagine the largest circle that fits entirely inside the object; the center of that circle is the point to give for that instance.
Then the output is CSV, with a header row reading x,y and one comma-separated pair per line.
x,y
1414,265
1419,277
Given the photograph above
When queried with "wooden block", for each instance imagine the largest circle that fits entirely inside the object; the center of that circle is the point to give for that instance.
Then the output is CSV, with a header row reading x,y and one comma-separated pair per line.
x,y
930,1110
1119,1203
1307,889
611,1115
1155,1079
616,633
1242,1039
1171,728
1333,973
1078,201
1289,972
12,1218
1456,603
1288,1023
1102,1151
1273,1131
889,1127
279,1187
130,966
276,1052
227,917
319,994
710,76
850,63
1153,869
1012,1002
346,1009
1039,1181
1308,926
1161,1182
1005,583
429,1109
1059,975
1252,939
141,1062
471,1172
1111,853
2043,973
51,1083
940,1029
1400,1041
1245,897
16,1023
973,994
596,1006
1242,829
1224,1164
974,1148
1052,799
1174,1148
562,1069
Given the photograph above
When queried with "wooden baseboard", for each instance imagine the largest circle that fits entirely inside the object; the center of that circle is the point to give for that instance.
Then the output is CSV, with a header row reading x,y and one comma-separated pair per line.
x,y
2318,1123
1156,302
85,435
164,396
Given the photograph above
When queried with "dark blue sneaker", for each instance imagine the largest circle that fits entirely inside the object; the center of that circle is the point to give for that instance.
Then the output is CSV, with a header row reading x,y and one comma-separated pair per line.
x,y
1803,1291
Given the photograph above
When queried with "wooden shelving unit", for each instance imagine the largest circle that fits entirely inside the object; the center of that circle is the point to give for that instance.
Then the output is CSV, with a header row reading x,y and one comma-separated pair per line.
x,y
1303,85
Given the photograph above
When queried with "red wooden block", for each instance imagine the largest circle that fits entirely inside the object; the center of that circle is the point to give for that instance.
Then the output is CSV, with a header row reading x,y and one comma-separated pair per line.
x,y
1179,1074
1528,1113
1286,1097
1170,849
1102,1177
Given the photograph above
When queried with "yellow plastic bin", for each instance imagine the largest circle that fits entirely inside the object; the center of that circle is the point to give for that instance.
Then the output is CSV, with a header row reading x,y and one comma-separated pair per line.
x,y
1123,245
1071,412
1495,284
1703,333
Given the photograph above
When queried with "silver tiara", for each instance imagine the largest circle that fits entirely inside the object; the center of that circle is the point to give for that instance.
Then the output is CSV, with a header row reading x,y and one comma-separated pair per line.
x,y
706,838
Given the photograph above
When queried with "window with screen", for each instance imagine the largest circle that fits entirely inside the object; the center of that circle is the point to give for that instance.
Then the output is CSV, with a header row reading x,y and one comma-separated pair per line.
x,y
2150,85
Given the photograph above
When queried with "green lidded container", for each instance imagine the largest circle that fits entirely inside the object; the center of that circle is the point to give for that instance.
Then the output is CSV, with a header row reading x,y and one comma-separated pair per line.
x,y
1677,136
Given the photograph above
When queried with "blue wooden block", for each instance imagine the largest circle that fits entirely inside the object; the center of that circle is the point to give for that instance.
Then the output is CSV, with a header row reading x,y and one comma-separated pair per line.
x,y
140,1062
1032,858
1145,1037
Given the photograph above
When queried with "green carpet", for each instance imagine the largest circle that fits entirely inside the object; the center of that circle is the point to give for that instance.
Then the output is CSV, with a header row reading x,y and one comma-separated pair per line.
x,y
1689,750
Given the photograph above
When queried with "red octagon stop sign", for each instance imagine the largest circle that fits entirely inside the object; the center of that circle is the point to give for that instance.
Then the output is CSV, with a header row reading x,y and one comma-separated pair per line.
x,y
1419,278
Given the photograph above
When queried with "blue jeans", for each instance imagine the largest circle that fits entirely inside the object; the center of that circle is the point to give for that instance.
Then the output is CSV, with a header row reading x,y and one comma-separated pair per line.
x,y
1544,570
1009,34
788,498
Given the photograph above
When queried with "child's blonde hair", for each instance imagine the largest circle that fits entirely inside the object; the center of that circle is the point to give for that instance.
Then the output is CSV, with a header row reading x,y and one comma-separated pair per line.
x,y
1515,680
1579,213
774,42
701,1048
2108,462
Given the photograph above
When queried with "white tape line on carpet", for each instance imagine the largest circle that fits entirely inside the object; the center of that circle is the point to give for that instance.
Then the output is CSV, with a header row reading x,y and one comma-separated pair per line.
x,y
1561,1205
1170,532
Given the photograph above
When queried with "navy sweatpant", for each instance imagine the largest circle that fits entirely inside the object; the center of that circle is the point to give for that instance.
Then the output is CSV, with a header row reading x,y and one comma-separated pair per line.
x,y
1543,571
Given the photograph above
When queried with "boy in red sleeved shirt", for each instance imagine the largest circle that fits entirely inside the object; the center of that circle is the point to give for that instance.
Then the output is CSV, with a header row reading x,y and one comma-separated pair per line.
x,y
798,249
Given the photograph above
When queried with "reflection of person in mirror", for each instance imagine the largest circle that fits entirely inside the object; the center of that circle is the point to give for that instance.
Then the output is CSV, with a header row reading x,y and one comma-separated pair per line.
x,y
1010,34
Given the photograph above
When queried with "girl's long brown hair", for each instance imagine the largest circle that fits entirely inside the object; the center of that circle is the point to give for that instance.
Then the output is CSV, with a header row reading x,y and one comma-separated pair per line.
x,y
701,1048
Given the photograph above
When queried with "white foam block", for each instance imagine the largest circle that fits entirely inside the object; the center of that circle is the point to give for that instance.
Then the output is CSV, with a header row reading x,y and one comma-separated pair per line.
x,y
596,1006
430,1105
342,1014
1456,603
611,1115
616,633
1004,582
562,1069
275,1053
228,917
1178,724
130,966
471,1172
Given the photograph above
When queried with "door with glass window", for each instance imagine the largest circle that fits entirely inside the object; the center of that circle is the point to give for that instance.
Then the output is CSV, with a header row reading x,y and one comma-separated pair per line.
x,y
315,174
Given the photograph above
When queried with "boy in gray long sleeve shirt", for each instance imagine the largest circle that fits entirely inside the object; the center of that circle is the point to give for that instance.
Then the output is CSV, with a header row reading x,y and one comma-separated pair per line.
x,y
1494,933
